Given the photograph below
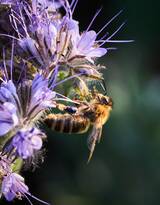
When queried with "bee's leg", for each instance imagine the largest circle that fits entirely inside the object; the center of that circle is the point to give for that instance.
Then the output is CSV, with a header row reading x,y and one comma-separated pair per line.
x,y
68,109
71,109
92,139
61,107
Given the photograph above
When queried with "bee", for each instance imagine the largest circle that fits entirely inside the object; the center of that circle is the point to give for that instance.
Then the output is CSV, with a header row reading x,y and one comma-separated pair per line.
x,y
93,114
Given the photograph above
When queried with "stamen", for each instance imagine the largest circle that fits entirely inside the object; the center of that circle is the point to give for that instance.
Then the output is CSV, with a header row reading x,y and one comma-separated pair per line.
x,y
73,1
73,9
91,23
112,19
94,17
120,41
103,37
108,39
34,197
116,31
28,199
68,7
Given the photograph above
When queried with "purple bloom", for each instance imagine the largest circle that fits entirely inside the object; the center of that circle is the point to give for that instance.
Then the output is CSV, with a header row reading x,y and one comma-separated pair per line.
x,y
13,108
8,93
85,44
44,47
41,96
8,117
43,50
29,44
27,141
38,36
13,186
48,39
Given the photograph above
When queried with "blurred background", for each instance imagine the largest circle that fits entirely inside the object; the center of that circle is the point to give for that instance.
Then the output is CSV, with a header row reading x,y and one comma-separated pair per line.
x,y
125,168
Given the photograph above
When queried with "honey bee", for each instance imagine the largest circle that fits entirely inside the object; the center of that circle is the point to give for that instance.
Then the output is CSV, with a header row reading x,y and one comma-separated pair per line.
x,y
79,119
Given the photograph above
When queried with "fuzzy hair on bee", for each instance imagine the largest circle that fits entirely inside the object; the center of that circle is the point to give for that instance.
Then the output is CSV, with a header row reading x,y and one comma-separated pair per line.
x,y
78,120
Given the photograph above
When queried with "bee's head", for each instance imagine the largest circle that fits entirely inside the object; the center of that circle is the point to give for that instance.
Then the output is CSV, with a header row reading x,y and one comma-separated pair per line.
x,y
105,100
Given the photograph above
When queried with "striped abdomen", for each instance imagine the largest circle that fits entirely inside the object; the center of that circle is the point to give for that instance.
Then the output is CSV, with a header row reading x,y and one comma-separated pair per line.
x,y
67,123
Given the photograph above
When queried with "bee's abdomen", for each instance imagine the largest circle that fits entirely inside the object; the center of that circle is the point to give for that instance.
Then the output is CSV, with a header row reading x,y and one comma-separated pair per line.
x,y
67,123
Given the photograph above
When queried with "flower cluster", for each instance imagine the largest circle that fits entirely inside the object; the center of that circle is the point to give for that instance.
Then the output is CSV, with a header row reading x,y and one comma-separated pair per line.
x,y
49,60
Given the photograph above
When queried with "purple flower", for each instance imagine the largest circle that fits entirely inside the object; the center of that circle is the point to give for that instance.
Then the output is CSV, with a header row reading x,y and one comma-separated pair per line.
x,y
13,186
8,93
27,141
28,101
10,108
41,96
85,44
44,49
39,36
48,39
29,44
8,117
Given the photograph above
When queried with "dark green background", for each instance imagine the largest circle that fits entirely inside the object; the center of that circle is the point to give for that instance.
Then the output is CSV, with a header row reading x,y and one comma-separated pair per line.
x,y
125,168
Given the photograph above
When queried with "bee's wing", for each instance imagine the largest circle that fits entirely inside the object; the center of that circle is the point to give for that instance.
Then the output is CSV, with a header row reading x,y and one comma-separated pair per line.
x,y
92,139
